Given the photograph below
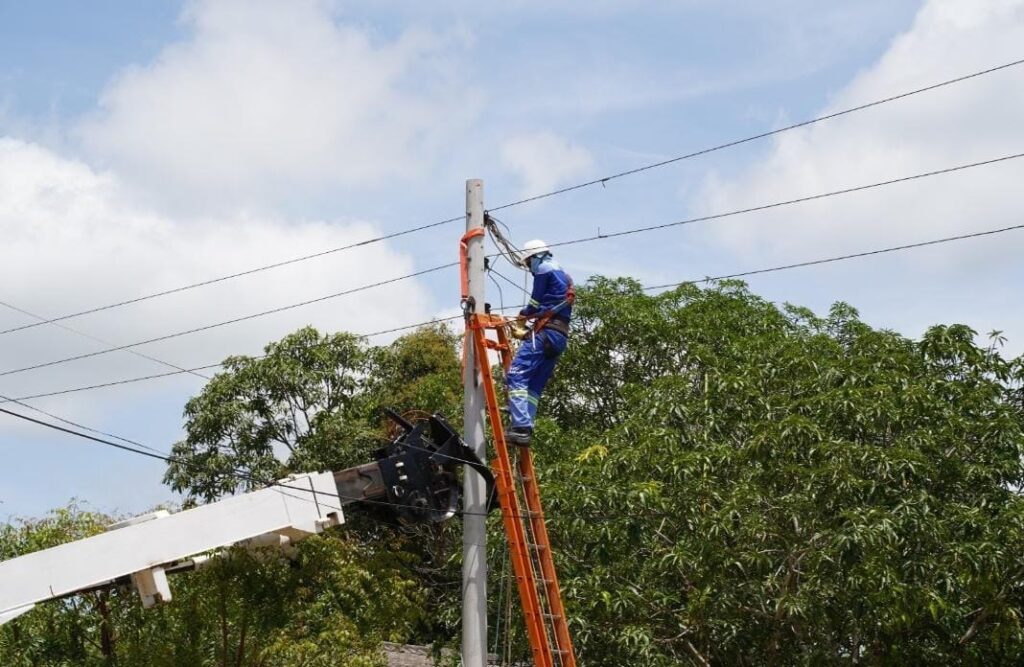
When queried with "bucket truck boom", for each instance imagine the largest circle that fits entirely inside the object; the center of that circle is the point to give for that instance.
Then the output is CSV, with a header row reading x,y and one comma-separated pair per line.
x,y
411,480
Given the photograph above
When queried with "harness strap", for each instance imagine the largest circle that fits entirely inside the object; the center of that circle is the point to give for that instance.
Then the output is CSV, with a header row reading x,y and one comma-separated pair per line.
x,y
545,319
559,325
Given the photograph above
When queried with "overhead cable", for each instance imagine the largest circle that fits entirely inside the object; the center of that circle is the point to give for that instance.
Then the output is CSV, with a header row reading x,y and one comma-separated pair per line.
x,y
727,276
216,365
839,258
598,237
779,204
602,181
249,478
7,399
219,279
235,320
762,135
77,332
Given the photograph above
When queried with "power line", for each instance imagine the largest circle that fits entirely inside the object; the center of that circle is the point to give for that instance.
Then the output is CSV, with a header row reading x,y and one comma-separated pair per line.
x,y
626,232
7,399
519,202
779,204
109,443
244,318
173,459
840,258
99,340
647,288
116,383
762,135
219,279
208,366
155,454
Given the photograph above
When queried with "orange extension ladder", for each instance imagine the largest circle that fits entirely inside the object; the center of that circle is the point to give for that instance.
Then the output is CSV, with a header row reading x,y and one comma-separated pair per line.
x,y
522,515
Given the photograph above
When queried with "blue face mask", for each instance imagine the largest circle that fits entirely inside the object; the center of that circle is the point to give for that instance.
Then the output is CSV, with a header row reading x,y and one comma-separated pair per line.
x,y
535,262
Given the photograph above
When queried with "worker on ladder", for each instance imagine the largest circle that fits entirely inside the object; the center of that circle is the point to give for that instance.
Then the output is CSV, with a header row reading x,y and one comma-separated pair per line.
x,y
550,308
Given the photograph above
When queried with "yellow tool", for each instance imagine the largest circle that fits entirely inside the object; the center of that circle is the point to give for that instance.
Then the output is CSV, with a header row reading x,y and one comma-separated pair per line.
x,y
517,328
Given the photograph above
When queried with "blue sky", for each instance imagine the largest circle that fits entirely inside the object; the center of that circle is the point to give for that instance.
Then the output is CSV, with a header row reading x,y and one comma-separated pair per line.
x,y
147,145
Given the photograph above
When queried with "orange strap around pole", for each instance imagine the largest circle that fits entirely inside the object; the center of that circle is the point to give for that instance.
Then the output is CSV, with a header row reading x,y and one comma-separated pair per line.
x,y
464,258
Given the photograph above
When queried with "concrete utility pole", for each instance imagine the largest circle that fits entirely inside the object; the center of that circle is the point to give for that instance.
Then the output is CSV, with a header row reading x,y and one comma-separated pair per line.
x,y
474,520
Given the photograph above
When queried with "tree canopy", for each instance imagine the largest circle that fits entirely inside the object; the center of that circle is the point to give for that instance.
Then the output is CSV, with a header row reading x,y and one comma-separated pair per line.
x,y
727,481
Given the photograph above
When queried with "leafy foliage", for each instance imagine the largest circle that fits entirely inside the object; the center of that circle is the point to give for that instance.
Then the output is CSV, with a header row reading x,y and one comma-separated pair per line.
x,y
332,603
312,402
726,481
775,487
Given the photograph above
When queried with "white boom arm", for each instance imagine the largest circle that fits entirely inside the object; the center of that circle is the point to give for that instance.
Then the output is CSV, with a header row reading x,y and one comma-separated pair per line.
x,y
412,480
144,547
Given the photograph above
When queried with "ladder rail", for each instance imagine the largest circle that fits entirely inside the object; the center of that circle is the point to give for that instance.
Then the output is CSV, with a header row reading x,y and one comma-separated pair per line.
x,y
529,545
511,511
550,576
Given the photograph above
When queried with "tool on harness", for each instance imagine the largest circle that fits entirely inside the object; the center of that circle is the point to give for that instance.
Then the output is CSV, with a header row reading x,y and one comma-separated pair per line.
x,y
517,328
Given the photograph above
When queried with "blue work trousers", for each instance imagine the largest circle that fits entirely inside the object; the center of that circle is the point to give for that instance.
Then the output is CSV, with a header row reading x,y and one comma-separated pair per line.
x,y
531,369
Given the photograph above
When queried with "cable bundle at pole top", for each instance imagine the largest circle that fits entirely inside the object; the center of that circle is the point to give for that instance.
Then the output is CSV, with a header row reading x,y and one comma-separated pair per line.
x,y
506,249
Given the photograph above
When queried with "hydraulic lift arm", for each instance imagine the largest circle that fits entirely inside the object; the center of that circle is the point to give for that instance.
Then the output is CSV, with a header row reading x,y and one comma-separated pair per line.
x,y
412,479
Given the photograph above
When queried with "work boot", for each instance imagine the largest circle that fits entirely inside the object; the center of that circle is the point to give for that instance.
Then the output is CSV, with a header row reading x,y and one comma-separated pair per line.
x,y
519,435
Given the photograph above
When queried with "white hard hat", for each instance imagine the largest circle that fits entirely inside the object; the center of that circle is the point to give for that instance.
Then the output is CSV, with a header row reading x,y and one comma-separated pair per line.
x,y
535,247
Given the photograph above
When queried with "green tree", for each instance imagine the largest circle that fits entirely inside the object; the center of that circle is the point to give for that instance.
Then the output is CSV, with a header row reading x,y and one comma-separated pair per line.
x,y
315,402
312,402
331,602
726,481
732,482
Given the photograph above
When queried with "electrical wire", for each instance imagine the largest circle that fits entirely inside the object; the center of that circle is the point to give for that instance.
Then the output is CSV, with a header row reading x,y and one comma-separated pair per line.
x,y
173,459
69,422
604,180
762,135
156,454
141,355
636,230
247,272
132,380
116,383
839,258
244,318
511,282
787,202
740,274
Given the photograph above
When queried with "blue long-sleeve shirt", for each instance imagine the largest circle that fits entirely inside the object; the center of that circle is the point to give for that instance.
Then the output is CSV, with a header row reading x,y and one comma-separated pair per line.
x,y
550,287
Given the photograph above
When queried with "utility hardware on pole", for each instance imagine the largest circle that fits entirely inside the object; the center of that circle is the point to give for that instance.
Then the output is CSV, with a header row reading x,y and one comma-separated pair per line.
x,y
474,547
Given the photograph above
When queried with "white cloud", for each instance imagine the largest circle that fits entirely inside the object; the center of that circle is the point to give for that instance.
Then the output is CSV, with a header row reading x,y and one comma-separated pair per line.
x,y
967,122
271,101
74,238
975,120
543,160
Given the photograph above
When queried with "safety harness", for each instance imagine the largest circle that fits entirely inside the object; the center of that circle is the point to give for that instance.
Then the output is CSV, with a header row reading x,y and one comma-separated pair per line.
x,y
547,321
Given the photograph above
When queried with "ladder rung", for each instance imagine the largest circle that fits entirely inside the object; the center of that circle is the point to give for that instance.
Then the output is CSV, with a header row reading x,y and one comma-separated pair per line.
x,y
524,478
557,617
536,546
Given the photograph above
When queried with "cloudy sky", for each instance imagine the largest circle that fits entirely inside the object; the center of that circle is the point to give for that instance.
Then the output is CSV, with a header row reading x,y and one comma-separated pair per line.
x,y
145,146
